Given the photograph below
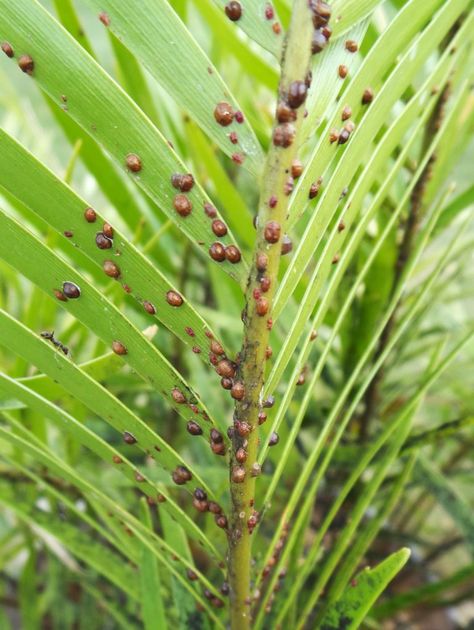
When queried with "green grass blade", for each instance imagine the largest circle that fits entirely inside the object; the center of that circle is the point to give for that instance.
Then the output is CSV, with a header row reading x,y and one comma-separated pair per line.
x,y
350,611
33,259
154,617
161,42
254,22
63,210
105,111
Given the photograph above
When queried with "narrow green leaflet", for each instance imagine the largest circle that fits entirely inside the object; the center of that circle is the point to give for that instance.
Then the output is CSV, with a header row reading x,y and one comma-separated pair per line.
x,y
154,617
258,25
84,547
360,596
448,497
162,43
347,13
55,202
98,399
33,259
105,111
90,440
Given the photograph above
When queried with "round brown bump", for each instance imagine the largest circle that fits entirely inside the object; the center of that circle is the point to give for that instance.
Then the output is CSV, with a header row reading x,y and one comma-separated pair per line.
x,y
108,230
174,299
262,262
221,521
119,348
90,215
210,210
333,136
241,455
193,428
233,10
226,383
297,94
225,368
318,43
128,438
232,253
102,241
7,49
351,46
133,163
342,71
149,307
182,205
284,113
216,347
217,252
367,96
272,232
262,306
219,228
238,474
283,135
296,169
111,269
286,245
26,64
262,417
274,439
224,114
59,295
346,112
238,390
71,290
178,396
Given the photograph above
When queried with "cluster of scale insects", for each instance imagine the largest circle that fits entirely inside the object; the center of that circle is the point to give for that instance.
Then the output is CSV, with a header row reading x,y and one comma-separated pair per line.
x,y
283,136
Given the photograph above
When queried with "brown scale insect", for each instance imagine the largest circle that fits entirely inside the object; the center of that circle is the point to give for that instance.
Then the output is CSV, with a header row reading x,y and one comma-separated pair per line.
x,y
286,245
215,508
224,114
59,295
219,228
174,299
193,428
196,349
232,254
111,269
181,475
90,215
274,439
315,188
182,205
210,210
262,417
182,181
226,383
288,187
297,93
216,347
351,46
257,294
321,12
189,331
133,163
255,470
265,284
139,477
161,498
336,259
26,64
217,252
272,232
343,136
102,241
272,202
268,352
104,18
301,380
276,28
128,438
233,10
50,336
68,234
238,390
243,428
201,506
216,436
238,474
284,113
296,169
367,96
71,290
262,262
178,396
225,368
333,136
117,459
108,230
225,589
262,307
283,135
119,348
269,402
346,112
218,448
341,226
241,455
269,12
318,42
238,158
233,137
269,323
327,31
342,71
221,521
192,575
239,117
149,307
213,358
313,335
7,49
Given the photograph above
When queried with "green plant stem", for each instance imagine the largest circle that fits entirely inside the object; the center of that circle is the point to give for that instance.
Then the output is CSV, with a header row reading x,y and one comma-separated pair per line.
x,y
295,65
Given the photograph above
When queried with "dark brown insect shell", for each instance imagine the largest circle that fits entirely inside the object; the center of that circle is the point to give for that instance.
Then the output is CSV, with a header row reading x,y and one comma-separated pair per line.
x,y
217,252
238,474
283,135
265,284
119,348
238,390
221,521
342,71
218,448
200,505
128,438
351,46
367,96
174,299
178,396
102,241
214,507
193,428
297,92
219,228
224,114
216,436
225,368
111,269
108,230
262,306
90,215
133,163
296,169
318,43
272,232
346,112
7,49
233,10
182,205
71,290
284,113
26,64
149,307
232,254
